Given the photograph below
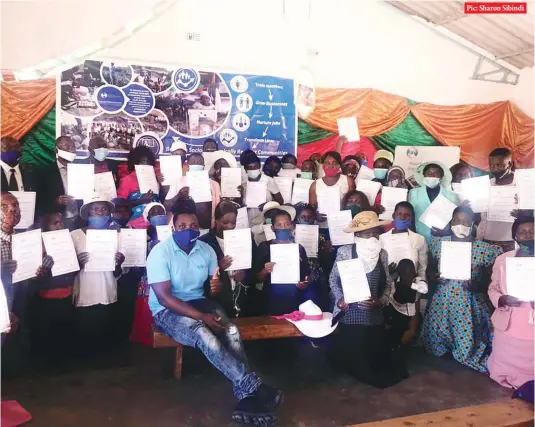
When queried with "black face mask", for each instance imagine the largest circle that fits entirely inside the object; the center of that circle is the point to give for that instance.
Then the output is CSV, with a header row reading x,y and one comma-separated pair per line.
x,y
500,174
404,294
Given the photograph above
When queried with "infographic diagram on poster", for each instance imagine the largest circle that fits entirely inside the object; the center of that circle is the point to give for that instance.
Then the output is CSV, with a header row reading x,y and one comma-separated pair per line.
x,y
129,104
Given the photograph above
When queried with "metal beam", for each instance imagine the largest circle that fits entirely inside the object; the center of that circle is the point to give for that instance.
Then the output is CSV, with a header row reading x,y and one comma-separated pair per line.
x,y
518,52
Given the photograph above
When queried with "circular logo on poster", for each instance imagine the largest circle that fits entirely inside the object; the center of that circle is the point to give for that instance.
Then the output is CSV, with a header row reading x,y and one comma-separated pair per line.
x,y
149,140
241,122
228,137
110,98
186,80
412,152
239,84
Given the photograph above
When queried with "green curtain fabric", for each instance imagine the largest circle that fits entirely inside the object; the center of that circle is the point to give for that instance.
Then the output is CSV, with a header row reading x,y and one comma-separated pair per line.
x,y
307,134
38,143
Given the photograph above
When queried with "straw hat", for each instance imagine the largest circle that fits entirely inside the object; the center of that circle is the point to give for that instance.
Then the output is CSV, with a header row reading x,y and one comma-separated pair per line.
x,y
364,221
261,217
84,214
419,174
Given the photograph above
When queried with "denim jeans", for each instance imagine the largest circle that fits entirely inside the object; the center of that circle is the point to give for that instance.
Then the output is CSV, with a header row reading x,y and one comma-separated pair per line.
x,y
223,349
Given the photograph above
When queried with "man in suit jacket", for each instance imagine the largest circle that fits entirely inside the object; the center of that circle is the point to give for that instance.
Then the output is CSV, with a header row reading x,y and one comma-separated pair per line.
x,y
52,188
14,176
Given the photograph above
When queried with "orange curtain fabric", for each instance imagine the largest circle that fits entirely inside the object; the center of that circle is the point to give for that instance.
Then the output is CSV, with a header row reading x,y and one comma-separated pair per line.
x,y
376,112
480,128
24,104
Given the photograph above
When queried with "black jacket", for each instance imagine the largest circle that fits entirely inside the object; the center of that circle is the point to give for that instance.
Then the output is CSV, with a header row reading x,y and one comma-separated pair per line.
x,y
28,178
49,188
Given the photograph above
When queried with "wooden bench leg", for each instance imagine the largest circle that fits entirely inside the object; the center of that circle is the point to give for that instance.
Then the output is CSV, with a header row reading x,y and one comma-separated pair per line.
x,y
178,362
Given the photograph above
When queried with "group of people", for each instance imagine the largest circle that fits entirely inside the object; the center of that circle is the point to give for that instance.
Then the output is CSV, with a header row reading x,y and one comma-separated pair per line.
x,y
187,290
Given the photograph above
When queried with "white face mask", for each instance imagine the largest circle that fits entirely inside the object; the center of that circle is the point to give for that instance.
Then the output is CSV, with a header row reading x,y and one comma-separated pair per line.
x,y
393,183
66,155
368,252
196,168
101,154
254,173
431,182
461,231
288,166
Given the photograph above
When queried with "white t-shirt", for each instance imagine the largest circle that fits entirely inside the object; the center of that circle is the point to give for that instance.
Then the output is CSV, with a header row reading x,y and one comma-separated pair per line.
x,y
92,287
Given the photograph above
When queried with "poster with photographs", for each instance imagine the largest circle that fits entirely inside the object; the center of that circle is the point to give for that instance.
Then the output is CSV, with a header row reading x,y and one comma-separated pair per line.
x,y
131,104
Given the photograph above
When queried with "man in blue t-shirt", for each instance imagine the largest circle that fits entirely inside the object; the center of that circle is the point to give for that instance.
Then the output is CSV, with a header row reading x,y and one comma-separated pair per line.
x,y
178,270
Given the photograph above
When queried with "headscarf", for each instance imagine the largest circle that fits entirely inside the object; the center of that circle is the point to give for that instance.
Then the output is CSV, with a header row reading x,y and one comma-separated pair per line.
x,y
402,182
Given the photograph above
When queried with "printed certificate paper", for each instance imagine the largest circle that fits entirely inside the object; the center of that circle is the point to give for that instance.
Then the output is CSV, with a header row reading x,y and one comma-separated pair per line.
x,y
354,281
370,188
80,181
456,260
308,237
285,187
520,272
301,190
338,222
477,191
238,246
525,183
286,259
398,247
438,214
146,179
501,203
390,197
171,169
59,245
348,127
199,186
230,181
163,232
255,194
329,199
27,208
242,220
102,247
133,245
27,250
105,186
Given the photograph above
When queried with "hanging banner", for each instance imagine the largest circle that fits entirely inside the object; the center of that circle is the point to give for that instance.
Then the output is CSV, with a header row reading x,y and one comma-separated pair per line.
x,y
128,104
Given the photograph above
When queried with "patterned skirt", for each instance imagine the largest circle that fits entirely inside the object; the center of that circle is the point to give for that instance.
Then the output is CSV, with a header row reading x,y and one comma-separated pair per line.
x,y
458,321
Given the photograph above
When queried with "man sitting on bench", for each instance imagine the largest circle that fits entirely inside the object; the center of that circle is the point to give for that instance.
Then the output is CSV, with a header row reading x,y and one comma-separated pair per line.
x,y
177,270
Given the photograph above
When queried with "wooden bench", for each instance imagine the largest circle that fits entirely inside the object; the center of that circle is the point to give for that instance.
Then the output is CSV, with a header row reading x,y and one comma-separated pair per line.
x,y
506,413
251,328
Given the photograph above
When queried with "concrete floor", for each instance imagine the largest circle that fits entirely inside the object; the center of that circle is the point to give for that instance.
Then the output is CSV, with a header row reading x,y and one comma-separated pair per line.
x,y
129,389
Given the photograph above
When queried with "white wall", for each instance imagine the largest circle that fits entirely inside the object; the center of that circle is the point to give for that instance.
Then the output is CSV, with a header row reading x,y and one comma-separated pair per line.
x,y
361,44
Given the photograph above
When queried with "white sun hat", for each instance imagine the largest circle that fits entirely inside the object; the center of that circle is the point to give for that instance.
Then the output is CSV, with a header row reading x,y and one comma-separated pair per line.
x,y
311,321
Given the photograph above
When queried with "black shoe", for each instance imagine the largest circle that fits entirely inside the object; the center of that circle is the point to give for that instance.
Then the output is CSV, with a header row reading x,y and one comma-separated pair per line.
x,y
251,410
269,396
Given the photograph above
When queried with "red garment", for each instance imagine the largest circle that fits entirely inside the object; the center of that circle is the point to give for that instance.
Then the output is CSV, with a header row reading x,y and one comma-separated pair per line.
x,y
13,414
58,293
329,144
142,325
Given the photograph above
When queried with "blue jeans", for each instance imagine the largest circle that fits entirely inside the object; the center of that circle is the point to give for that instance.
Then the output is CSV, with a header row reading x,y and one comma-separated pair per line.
x,y
223,350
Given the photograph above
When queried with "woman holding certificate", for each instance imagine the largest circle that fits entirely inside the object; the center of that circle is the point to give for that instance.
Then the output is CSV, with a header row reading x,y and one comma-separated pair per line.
x,y
361,284
282,297
457,319
511,361
129,187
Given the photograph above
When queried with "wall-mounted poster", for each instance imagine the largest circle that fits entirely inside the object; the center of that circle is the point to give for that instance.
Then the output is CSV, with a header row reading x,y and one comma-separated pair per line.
x,y
129,104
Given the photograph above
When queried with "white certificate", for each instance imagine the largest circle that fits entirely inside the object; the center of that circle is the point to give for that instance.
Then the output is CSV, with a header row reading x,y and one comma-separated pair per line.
x,y
502,202
80,180
59,245
477,191
102,247
438,214
301,190
398,247
285,187
348,127
133,245
255,194
146,178
230,181
328,199
525,184
390,197
27,250
370,188
519,272
171,169
5,321
286,259
457,188
456,260
268,232
105,186
289,173
26,201
238,245
242,220
354,281
163,232
365,173
308,237
338,222
199,186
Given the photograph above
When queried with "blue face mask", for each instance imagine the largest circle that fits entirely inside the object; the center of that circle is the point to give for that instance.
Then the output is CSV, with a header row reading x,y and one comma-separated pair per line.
x,y
122,222
196,168
186,238
380,173
11,157
402,224
99,222
284,235
158,220
306,175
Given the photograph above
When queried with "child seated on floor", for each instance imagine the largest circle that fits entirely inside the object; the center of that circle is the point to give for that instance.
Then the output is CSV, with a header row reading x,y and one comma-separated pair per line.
x,y
402,315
